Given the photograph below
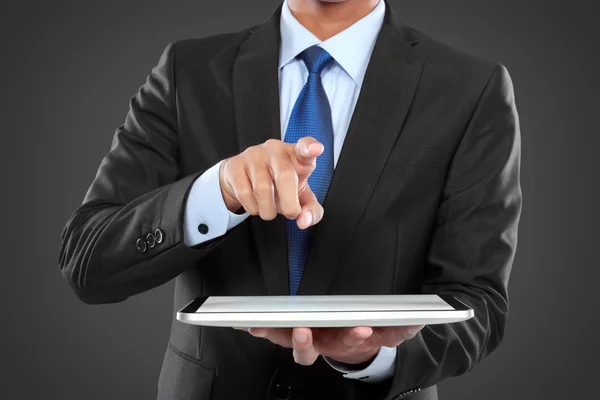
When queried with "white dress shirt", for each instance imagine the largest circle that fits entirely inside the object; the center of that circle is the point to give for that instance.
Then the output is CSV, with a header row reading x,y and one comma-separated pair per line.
x,y
342,80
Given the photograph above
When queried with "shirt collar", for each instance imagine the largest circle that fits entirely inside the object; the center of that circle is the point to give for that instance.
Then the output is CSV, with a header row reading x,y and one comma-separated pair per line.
x,y
350,48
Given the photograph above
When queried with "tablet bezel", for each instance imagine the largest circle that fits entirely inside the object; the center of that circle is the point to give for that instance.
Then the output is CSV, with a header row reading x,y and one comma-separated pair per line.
x,y
193,306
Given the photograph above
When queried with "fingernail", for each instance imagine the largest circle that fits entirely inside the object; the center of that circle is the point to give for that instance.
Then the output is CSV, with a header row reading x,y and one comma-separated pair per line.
x,y
301,337
310,217
306,150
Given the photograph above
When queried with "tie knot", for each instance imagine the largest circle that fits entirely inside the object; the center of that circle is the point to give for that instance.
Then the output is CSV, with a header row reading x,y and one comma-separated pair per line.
x,y
316,59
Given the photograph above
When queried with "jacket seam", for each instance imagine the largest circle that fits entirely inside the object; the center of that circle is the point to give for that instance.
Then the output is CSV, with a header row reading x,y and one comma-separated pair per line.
x,y
468,127
191,359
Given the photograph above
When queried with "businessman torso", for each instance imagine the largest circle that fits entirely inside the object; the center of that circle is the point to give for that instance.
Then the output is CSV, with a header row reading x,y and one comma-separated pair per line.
x,y
411,167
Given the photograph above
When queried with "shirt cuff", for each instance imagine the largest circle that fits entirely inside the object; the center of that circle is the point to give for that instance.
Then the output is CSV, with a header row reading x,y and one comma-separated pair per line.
x,y
205,205
380,369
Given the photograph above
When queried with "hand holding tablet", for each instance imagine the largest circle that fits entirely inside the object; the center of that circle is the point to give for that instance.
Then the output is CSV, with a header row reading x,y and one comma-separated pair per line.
x,y
345,345
347,329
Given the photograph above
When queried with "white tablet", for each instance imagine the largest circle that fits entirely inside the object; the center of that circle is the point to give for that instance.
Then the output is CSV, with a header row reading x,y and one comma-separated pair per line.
x,y
323,311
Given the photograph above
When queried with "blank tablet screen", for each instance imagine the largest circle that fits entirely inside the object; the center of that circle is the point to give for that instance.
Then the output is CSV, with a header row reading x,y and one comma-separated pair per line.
x,y
323,304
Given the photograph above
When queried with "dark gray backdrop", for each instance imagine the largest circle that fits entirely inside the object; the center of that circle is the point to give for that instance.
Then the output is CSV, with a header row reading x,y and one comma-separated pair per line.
x,y
68,71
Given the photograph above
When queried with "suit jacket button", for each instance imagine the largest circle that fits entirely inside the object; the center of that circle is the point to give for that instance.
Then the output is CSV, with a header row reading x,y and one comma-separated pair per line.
x,y
141,245
203,229
158,236
283,392
151,240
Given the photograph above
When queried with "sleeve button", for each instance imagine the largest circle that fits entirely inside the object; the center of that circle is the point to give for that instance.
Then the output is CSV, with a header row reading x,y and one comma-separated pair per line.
x,y
203,229
151,240
158,236
141,245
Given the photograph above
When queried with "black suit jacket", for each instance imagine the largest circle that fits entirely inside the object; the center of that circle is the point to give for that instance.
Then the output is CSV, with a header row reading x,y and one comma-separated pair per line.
x,y
425,198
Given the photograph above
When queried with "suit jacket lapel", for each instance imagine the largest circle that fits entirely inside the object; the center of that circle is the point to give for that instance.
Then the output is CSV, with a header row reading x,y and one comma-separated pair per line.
x,y
384,101
256,108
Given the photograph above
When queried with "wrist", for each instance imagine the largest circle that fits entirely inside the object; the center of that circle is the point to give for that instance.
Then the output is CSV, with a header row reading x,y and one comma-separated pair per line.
x,y
358,361
232,204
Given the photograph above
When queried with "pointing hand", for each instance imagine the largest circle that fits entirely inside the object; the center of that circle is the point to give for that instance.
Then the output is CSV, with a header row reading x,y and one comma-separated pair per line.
x,y
272,178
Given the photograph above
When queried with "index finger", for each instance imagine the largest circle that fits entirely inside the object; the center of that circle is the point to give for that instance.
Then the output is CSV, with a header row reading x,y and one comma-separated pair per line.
x,y
307,149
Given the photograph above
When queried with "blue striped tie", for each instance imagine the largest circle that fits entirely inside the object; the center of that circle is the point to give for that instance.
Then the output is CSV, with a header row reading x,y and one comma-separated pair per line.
x,y
311,116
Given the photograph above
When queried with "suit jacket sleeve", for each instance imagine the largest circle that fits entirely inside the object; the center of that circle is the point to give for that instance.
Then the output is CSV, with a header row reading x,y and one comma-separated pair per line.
x,y
473,244
137,190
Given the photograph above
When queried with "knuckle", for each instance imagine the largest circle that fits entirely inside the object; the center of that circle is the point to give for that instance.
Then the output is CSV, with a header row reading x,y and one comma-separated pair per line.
x,y
263,188
271,143
287,173
235,162
228,165
267,215
267,210
246,198
290,212
250,152
233,167
250,207
243,193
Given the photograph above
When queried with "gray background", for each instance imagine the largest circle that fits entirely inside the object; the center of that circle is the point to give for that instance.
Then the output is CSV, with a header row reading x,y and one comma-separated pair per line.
x,y
68,71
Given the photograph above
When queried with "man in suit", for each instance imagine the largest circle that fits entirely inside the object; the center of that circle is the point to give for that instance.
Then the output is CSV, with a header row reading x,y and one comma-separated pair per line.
x,y
329,150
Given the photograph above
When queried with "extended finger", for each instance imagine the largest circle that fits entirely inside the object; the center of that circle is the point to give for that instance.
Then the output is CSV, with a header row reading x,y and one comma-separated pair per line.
x,y
307,149
312,211
286,184
304,350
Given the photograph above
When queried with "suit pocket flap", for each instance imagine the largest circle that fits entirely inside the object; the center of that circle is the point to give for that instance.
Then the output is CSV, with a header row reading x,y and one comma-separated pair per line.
x,y
182,377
